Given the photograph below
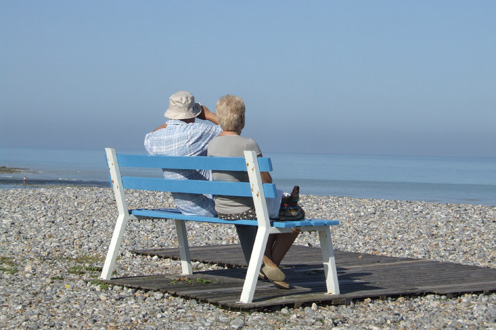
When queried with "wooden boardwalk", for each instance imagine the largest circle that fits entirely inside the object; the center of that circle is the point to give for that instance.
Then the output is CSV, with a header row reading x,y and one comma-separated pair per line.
x,y
360,276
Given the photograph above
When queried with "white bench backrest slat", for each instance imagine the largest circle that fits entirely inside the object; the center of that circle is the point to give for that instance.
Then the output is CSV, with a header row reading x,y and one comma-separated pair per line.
x,y
257,189
116,181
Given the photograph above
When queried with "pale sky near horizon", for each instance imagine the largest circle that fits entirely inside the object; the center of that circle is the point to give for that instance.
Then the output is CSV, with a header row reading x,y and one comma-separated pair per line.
x,y
337,77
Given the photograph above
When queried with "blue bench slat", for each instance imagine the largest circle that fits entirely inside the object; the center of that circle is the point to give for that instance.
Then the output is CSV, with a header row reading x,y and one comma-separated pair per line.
x,y
191,163
304,223
176,214
196,186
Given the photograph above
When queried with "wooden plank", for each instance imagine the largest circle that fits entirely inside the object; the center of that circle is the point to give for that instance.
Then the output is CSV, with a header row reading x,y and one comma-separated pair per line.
x,y
360,276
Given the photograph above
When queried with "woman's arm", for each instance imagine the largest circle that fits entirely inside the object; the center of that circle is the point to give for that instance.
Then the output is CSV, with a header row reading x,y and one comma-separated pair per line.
x,y
266,177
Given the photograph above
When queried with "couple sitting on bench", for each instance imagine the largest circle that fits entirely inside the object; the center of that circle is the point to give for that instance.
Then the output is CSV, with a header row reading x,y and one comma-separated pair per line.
x,y
182,136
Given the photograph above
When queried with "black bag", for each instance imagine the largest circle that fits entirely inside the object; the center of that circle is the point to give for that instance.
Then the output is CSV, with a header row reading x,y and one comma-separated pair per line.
x,y
290,210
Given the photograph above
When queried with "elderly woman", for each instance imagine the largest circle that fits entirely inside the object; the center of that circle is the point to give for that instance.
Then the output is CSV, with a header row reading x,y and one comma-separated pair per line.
x,y
229,143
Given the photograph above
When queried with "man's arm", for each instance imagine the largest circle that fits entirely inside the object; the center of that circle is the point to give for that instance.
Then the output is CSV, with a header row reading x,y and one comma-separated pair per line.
x,y
206,114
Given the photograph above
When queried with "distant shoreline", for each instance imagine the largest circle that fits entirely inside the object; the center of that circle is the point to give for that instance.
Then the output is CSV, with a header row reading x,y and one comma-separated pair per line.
x,y
16,183
4,169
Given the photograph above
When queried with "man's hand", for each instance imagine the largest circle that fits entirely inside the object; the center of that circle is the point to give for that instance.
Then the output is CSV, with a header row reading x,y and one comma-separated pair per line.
x,y
202,113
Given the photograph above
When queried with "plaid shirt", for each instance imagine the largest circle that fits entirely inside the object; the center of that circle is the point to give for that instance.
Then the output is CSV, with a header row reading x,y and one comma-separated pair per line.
x,y
183,139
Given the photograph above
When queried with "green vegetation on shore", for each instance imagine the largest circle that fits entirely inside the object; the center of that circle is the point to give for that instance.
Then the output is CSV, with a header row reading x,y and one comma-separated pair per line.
x,y
8,265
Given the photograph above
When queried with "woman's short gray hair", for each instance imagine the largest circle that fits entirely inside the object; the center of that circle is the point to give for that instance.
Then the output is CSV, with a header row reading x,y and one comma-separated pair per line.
x,y
231,113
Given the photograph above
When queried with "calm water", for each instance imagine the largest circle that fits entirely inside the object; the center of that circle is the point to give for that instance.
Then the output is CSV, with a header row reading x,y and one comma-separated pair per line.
x,y
433,179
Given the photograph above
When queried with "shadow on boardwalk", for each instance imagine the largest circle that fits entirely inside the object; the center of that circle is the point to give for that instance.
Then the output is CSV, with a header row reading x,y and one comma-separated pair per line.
x,y
360,276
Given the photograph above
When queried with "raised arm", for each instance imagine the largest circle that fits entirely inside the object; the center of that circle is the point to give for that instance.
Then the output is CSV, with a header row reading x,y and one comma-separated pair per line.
x,y
206,114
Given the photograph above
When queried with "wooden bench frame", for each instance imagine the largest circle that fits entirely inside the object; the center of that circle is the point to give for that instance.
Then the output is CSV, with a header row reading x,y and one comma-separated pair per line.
x,y
254,188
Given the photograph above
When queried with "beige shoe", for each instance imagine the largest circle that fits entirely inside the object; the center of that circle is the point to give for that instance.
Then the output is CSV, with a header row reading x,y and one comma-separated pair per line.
x,y
281,285
271,271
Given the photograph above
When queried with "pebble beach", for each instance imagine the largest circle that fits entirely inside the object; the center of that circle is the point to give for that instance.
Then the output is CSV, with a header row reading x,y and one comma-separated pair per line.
x,y
53,242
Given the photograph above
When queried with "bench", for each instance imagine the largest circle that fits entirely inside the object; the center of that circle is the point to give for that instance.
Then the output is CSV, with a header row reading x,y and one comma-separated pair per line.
x,y
254,188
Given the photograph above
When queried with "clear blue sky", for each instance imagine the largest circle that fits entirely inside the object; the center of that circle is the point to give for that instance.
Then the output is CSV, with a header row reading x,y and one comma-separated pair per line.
x,y
338,77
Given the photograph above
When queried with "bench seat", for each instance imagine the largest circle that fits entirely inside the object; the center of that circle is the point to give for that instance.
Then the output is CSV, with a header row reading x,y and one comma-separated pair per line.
x,y
177,215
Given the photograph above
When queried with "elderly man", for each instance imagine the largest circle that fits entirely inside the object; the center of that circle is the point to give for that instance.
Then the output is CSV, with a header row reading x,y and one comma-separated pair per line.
x,y
181,135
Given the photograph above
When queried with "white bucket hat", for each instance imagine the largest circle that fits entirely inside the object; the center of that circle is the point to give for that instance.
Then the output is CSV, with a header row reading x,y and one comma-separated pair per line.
x,y
182,106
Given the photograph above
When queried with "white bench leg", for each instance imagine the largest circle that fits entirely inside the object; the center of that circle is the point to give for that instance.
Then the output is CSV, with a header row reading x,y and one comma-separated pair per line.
x,y
254,267
115,244
329,261
182,238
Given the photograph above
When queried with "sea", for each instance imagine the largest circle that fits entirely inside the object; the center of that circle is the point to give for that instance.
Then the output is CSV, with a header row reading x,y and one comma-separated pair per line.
x,y
429,179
